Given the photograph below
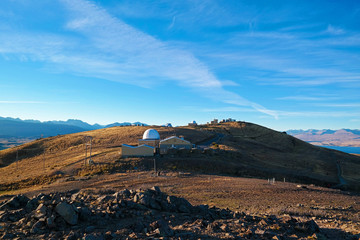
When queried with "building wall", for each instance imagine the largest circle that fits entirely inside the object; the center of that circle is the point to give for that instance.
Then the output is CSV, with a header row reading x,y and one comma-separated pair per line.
x,y
153,143
140,151
174,143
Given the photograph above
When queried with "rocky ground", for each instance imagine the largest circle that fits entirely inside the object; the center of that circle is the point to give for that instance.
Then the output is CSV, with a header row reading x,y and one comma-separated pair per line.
x,y
143,214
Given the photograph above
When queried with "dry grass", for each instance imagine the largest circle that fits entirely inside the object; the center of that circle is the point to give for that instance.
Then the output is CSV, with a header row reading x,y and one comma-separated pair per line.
x,y
248,150
66,153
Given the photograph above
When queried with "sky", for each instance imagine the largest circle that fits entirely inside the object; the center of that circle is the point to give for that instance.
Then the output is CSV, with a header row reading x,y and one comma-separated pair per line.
x,y
281,64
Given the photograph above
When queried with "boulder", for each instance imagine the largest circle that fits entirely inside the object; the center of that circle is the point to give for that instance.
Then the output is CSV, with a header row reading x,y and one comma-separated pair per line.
x,y
67,212
40,211
16,202
50,222
180,204
31,205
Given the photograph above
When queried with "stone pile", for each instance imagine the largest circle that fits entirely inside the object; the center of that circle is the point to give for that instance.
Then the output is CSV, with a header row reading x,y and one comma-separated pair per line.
x,y
137,214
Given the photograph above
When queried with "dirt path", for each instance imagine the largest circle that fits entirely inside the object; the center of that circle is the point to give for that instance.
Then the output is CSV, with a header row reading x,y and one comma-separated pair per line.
x,y
216,139
342,181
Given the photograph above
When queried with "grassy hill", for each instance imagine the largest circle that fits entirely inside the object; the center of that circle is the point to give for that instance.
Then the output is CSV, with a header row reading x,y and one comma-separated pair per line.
x,y
241,149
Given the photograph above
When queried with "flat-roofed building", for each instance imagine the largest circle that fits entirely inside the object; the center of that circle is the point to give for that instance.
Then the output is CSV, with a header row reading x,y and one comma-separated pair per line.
x,y
174,142
136,151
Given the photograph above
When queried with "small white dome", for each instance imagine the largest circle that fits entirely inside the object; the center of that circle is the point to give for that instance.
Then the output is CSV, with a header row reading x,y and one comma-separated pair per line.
x,y
151,134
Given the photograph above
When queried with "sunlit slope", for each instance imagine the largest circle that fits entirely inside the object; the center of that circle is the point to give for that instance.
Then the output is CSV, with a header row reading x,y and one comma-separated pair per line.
x,y
66,153
242,146
279,152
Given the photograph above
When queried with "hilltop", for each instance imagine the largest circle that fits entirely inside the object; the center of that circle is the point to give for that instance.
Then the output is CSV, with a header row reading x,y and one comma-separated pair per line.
x,y
239,149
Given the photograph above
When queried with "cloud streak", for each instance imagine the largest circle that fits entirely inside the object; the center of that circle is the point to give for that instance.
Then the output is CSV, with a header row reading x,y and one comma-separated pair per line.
x,y
22,102
306,98
106,47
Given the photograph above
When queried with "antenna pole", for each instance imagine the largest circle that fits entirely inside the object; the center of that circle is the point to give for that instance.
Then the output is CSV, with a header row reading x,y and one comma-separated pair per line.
x,y
44,159
90,161
85,154
17,159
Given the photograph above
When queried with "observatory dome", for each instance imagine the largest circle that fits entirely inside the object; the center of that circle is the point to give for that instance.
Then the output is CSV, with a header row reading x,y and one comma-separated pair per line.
x,y
151,134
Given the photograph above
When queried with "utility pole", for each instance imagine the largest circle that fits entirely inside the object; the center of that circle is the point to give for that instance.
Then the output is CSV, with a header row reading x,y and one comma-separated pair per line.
x,y
155,166
87,138
44,159
90,161
17,159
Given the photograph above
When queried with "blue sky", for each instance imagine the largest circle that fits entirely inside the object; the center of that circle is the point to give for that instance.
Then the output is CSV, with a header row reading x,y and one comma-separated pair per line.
x,y
281,64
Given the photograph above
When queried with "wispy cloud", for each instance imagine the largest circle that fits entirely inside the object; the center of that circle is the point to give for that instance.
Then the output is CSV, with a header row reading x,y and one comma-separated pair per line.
x,y
312,114
334,30
172,23
341,105
227,109
300,58
22,102
306,98
33,102
108,48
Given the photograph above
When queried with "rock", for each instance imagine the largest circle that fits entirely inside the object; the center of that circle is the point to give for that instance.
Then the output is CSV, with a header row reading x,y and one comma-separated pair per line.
x,y
75,196
8,236
31,205
67,212
104,199
138,227
16,202
170,217
50,222
122,194
224,228
92,236
89,229
162,228
156,189
308,227
71,236
84,213
259,232
37,226
276,237
153,204
109,235
40,211
262,222
181,204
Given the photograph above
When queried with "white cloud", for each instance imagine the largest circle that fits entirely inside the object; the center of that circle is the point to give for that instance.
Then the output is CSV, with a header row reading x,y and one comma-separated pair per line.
x,y
340,105
337,114
227,109
334,30
22,102
108,48
305,98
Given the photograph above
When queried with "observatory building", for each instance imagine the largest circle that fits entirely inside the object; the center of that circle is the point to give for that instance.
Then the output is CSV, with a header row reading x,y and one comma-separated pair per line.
x,y
150,144
151,137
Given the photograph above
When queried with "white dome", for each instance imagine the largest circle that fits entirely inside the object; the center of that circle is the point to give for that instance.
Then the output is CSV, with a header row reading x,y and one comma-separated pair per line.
x,y
151,134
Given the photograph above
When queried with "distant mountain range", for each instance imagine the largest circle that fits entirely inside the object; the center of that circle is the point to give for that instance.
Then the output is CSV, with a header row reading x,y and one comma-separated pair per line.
x,y
15,130
327,137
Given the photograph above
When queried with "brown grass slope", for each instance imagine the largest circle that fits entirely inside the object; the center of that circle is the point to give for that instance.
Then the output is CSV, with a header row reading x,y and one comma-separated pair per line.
x,y
283,153
246,149
65,154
